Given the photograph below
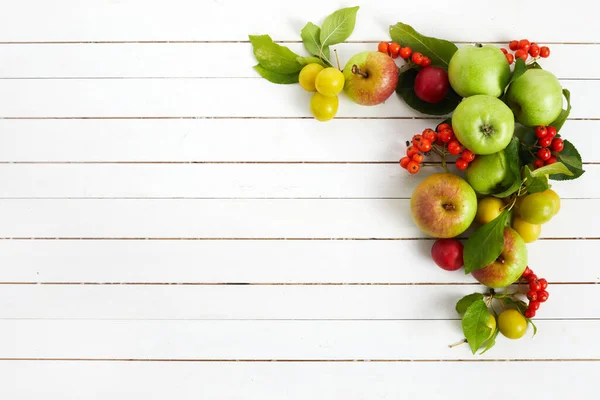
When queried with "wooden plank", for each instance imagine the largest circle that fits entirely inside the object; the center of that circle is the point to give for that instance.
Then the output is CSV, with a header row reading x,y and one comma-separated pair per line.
x,y
283,261
232,181
340,302
281,140
208,140
244,218
32,20
285,340
241,98
213,60
85,380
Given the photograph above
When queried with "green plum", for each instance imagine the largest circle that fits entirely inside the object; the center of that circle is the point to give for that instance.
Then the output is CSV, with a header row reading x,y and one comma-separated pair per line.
x,y
537,208
478,70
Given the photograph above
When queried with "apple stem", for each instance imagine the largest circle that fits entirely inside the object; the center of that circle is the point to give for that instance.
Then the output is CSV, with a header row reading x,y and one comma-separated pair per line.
x,y
458,343
358,71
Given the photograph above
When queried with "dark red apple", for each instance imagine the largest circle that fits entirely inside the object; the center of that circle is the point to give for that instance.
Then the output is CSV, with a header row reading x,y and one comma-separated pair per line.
x,y
431,84
448,254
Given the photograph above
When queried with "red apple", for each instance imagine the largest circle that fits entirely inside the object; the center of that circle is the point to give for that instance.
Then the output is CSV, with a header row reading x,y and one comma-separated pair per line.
x,y
448,254
371,78
431,84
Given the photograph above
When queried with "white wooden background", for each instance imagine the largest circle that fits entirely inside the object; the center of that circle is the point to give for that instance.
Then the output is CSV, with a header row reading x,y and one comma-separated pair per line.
x,y
173,227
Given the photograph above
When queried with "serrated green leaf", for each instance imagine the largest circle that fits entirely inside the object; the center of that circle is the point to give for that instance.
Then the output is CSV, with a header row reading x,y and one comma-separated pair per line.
x,y
310,35
491,342
406,90
274,77
535,184
514,165
438,50
519,70
474,324
273,57
465,302
485,244
570,157
564,114
556,168
338,26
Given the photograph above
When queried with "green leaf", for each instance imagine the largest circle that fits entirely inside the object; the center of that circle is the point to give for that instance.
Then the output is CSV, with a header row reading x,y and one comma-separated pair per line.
x,y
310,35
275,58
491,342
310,60
514,165
519,70
556,168
570,157
534,65
485,244
406,90
338,26
465,302
276,77
533,325
564,114
438,50
519,305
535,184
474,324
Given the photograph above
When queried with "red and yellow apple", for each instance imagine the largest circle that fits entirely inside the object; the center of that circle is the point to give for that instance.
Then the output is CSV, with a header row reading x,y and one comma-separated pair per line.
x,y
370,78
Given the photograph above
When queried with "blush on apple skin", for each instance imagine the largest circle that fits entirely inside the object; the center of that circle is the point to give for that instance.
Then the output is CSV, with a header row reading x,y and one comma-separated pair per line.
x,y
448,254
509,266
371,78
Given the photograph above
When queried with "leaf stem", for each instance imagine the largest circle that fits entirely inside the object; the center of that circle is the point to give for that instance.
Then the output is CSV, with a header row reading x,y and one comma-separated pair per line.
x,y
337,59
457,343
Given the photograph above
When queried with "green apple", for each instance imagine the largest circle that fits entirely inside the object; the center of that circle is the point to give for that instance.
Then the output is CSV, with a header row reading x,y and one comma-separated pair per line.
x,y
483,124
535,98
370,78
489,174
478,70
509,265
443,205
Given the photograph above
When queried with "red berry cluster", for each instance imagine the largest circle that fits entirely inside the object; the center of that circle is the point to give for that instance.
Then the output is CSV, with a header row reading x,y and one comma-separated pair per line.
x,y
537,293
523,49
394,50
549,146
424,142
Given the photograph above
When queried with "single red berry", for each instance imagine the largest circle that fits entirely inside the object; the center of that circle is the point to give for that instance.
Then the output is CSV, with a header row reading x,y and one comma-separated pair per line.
x,y
532,277
411,151
418,158
526,49
510,58
426,62
522,54
527,272
529,313
551,160
544,51
513,45
551,131
535,286
557,144
502,49
454,147
467,155
544,154
446,135
534,50
462,164
394,50
538,163
413,167
523,43
534,305
430,135
532,295
540,131
424,145
417,139
383,47
443,126
404,162
543,296
417,58
545,141
543,283
405,52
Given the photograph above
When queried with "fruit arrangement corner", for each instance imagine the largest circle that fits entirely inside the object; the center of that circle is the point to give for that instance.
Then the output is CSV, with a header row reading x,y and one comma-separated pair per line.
x,y
498,144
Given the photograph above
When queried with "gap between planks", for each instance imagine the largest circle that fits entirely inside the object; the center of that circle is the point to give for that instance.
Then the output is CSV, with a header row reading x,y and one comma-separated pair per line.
x,y
242,41
349,360
49,283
